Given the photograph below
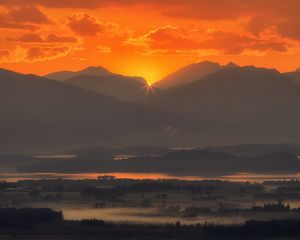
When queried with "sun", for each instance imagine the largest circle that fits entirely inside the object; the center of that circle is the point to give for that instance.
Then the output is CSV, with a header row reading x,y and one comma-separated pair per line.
x,y
150,72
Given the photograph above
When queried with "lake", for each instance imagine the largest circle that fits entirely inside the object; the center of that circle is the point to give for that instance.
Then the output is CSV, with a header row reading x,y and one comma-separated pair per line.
x,y
12,176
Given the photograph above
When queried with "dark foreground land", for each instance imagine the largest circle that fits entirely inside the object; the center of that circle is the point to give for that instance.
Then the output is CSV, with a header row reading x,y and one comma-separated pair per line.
x,y
279,229
48,224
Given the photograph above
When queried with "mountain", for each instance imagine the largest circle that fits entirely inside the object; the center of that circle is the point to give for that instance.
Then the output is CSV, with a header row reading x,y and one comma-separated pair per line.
x,y
186,162
38,114
227,107
294,76
190,73
94,71
241,87
245,104
131,89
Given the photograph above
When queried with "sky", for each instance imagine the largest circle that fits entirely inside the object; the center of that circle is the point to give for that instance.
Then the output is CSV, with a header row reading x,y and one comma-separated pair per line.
x,y
148,38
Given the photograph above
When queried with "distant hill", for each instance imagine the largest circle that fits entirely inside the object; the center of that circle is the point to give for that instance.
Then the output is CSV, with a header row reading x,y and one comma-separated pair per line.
x,y
190,73
94,71
252,150
38,114
189,163
124,88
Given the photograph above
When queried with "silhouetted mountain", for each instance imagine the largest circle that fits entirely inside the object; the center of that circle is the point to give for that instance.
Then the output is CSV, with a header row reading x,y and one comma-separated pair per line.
x,y
248,150
241,103
245,89
231,106
42,114
192,163
94,71
294,76
124,88
190,73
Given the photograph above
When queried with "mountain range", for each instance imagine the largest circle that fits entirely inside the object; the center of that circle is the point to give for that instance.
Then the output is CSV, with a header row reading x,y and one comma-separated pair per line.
x,y
238,104
218,105
41,114
101,80
129,89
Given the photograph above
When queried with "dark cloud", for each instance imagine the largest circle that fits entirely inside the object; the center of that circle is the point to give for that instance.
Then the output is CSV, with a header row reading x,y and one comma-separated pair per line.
x,y
50,38
24,17
88,25
202,9
85,24
46,53
28,14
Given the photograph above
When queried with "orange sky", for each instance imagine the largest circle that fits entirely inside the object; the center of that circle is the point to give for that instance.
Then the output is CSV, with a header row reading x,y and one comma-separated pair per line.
x,y
148,38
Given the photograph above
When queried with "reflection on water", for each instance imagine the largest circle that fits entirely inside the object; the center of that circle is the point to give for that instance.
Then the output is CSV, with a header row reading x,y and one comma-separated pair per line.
x,y
241,177
12,177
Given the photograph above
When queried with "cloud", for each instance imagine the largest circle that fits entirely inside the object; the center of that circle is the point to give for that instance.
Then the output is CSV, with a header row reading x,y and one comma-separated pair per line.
x,y
46,53
53,38
220,27
103,49
201,9
28,14
284,26
165,39
35,54
233,43
263,14
62,4
4,53
171,40
88,25
4,23
50,38
58,4
27,17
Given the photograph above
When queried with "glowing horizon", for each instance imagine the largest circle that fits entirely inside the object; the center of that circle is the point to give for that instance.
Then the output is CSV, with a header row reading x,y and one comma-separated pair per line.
x,y
147,38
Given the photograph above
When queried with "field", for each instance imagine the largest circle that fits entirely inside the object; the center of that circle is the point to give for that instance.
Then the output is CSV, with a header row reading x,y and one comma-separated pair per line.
x,y
157,202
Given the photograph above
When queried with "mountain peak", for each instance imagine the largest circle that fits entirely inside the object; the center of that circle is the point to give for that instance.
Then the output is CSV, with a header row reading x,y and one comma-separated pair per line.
x,y
191,73
205,63
96,71
231,65
92,70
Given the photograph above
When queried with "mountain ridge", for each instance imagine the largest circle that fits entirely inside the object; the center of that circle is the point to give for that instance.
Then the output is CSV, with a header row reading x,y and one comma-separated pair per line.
x,y
91,70
190,73
130,89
